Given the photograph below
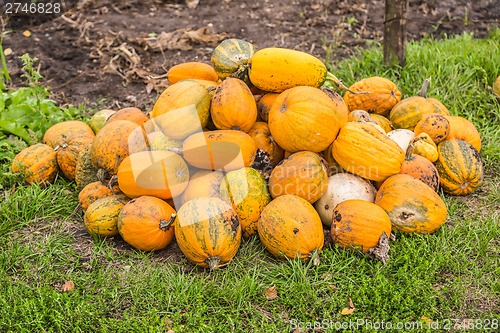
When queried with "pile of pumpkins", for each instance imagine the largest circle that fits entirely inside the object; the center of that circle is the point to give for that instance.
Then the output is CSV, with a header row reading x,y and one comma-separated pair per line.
x,y
254,144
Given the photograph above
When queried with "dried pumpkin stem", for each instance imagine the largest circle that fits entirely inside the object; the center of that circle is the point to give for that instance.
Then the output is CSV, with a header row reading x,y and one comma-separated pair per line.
x,y
166,224
425,86
112,182
213,262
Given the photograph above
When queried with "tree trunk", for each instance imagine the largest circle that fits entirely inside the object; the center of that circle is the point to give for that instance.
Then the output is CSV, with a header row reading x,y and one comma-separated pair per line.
x,y
395,32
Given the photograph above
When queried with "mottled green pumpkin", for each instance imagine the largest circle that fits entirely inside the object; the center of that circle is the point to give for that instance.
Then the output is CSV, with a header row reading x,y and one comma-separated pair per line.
x,y
85,172
232,58
101,217
37,163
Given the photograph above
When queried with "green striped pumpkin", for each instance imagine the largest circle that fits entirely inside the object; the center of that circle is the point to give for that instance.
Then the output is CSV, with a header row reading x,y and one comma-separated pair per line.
x,y
37,163
231,58
85,171
101,217
460,167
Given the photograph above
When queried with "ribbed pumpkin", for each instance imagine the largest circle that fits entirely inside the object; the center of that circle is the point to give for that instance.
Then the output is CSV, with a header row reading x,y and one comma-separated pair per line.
x,y
435,125
409,111
463,129
340,106
101,217
423,145
233,106
147,223
359,224
303,174
290,227
460,167
246,190
208,231
161,174
203,183
114,142
69,152
264,141
333,166
382,122
232,58
37,163
411,205
85,172
220,149
375,95
182,109
92,192
191,70
421,168
54,136
264,105
304,118
97,121
363,150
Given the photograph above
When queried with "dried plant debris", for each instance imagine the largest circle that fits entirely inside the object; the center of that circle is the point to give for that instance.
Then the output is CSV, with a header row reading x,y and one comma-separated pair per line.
x,y
381,251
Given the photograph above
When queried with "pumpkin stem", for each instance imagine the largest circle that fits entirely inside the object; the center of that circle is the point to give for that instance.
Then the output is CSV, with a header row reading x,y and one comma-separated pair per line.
x,y
332,79
166,224
425,86
213,262
314,257
409,152
102,175
112,182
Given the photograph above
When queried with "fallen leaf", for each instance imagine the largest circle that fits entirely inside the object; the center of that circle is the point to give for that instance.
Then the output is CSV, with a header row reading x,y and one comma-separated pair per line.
x,y
68,192
333,287
350,303
7,51
271,293
347,311
381,251
27,33
68,286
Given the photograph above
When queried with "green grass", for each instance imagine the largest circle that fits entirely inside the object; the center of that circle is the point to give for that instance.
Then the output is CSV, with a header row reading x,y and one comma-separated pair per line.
x,y
452,274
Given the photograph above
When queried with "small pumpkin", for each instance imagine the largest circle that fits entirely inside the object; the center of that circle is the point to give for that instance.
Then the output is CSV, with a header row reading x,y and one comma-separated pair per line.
x,y
191,70
208,231
231,58
54,136
411,205
92,192
203,183
304,118
69,151
291,233
359,115
246,190
374,94
261,135
233,106
423,145
101,216
37,163
463,129
359,224
435,125
147,223
382,122
264,105
85,172
132,114
97,121
460,167
421,168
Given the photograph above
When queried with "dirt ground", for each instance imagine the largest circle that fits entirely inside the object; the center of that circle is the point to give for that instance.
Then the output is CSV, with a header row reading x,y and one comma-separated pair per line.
x,y
115,53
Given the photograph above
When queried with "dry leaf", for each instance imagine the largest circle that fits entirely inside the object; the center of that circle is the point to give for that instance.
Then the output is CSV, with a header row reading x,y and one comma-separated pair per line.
x,y
7,51
381,251
192,3
27,33
347,311
333,287
271,293
68,286
350,303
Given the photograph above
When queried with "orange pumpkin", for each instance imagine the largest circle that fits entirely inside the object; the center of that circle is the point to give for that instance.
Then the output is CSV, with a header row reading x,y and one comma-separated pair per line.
x,y
340,106
85,172
304,118
146,223
132,114
264,105
360,116
421,168
37,163
264,141
92,192
70,150
54,136
191,70
359,224
333,166
203,183
463,129
435,125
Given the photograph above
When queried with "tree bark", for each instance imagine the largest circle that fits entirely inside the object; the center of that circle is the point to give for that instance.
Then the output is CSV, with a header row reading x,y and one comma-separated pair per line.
x,y
395,32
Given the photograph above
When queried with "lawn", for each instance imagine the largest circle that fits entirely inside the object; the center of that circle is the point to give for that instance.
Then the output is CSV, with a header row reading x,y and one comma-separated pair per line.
x,y
55,277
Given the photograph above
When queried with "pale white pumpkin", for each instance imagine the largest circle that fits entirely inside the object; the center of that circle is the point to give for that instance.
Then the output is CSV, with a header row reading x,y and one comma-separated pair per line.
x,y
402,137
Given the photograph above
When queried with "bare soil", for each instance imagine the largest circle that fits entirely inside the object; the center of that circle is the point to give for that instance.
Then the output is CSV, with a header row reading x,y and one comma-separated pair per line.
x,y
116,53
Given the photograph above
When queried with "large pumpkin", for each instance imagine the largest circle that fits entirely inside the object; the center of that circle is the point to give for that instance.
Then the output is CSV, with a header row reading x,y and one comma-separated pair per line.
x,y
304,174
182,109
208,231
264,141
159,141
304,118
290,227
161,174
359,224
203,183
233,106
54,136
220,149
374,94
409,111
101,217
460,167
411,205
191,70
247,192
69,152
463,129
92,192
362,149
340,106
37,163
147,223
132,114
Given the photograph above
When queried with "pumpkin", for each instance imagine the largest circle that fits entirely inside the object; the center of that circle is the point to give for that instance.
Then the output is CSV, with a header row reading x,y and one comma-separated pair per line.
x,y
359,115
421,168
69,151
333,166
92,192
496,88
97,121
232,58
208,231
361,149
402,137
460,167
203,183
191,70
303,174
435,125
264,141
54,136
423,145
411,205
209,85
182,109
161,174
101,216
37,163
264,105
359,224
246,190
340,106
373,94
463,129
439,107
304,118
382,122
132,114
147,223
409,111
114,142
291,233
233,106
220,149
85,172
342,187
159,141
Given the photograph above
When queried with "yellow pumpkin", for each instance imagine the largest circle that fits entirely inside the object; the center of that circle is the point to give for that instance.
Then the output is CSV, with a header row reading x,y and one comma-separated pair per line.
x,y
101,217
